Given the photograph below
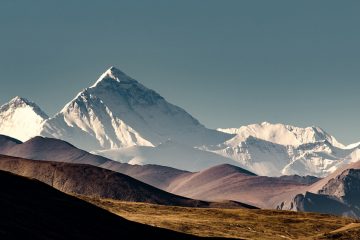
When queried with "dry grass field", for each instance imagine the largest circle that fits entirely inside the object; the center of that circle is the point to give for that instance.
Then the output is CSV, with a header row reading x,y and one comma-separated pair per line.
x,y
236,223
350,231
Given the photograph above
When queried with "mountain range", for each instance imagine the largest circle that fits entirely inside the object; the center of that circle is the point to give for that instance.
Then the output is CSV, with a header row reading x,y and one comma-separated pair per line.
x,y
121,119
61,165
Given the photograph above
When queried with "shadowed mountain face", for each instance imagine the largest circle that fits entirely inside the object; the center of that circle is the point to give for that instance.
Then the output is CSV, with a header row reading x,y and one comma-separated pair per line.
x,y
321,203
7,142
31,209
92,181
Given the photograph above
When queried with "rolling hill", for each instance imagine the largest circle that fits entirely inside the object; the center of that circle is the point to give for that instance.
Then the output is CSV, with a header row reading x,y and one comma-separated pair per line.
x,y
233,183
30,208
92,181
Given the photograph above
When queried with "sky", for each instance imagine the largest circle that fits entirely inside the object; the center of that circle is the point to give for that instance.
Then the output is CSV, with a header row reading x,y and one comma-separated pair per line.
x,y
228,63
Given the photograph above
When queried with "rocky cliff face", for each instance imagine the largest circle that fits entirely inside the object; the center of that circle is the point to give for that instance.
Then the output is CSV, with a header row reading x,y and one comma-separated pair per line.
x,y
345,186
339,196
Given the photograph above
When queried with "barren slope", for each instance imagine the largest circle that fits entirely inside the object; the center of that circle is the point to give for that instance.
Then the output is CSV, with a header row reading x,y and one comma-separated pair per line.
x,y
92,181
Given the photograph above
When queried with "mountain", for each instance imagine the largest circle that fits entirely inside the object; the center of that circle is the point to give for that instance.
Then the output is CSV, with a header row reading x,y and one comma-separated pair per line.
x,y
118,111
31,208
339,191
218,179
21,118
92,181
233,183
277,149
281,134
338,194
119,118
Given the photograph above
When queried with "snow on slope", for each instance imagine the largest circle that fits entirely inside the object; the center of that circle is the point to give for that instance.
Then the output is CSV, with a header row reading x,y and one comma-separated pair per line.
x,y
89,124
353,145
276,149
259,156
282,134
118,111
21,119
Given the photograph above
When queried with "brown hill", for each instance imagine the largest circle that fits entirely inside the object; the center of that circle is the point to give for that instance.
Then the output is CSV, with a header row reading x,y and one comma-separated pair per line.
x,y
50,149
233,183
92,181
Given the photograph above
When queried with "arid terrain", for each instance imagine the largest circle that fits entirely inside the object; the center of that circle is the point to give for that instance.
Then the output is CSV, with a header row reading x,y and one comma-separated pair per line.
x,y
236,223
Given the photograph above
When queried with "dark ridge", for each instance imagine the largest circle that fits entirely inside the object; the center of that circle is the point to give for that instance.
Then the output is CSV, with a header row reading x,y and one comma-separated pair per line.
x,y
31,209
4,139
7,143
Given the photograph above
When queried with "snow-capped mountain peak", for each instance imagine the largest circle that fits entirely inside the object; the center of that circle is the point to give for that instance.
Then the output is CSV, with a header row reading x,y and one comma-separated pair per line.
x,y
114,74
282,134
275,149
17,101
118,111
21,118
20,102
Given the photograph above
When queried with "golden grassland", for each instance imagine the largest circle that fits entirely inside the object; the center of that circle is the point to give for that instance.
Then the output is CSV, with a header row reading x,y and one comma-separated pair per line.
x,y
235,223
348,232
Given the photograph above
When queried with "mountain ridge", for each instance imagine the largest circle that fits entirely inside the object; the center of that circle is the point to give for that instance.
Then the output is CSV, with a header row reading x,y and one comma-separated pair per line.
x,y
117,113
267,158
283,134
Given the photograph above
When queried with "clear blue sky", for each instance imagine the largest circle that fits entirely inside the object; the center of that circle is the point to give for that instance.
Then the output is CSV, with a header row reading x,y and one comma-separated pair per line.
x,y
228,63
